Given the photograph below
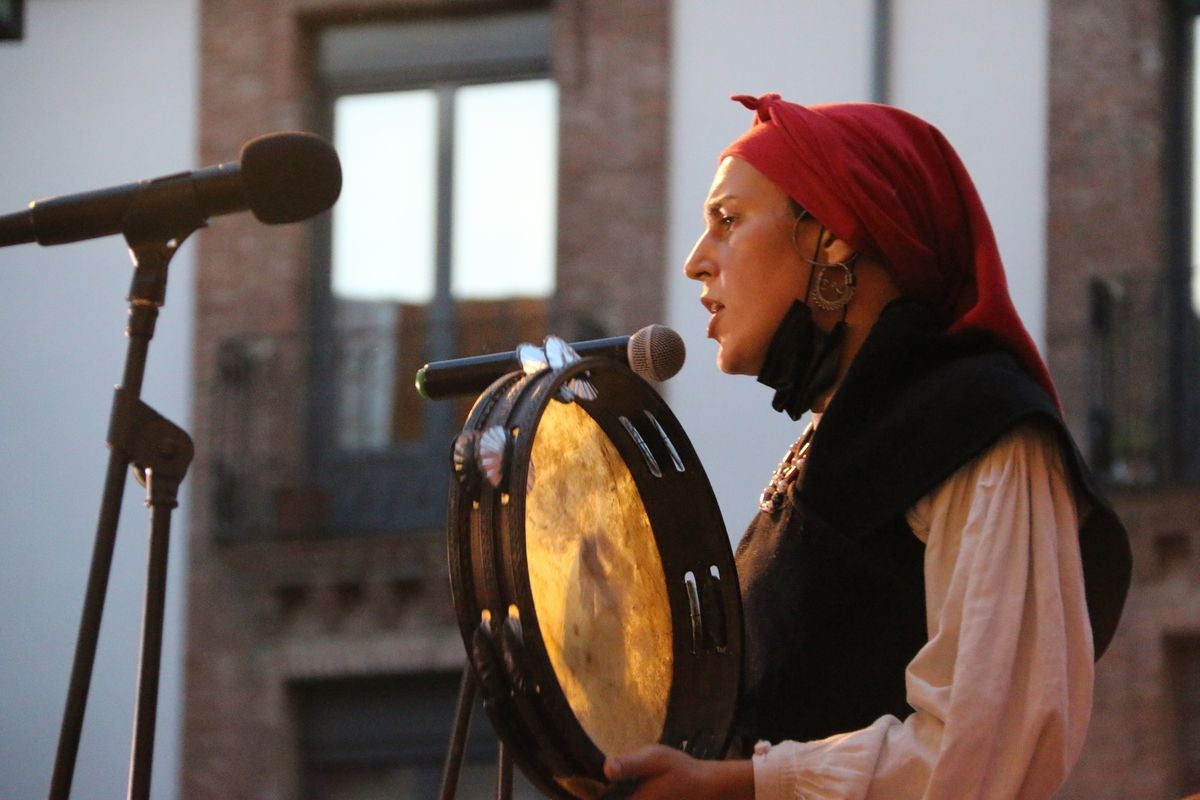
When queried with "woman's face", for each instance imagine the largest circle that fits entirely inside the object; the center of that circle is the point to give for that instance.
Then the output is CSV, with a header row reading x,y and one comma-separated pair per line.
x,y
748,264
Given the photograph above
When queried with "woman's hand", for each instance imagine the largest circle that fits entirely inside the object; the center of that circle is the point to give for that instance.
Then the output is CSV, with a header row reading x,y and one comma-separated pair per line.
x,y
664,773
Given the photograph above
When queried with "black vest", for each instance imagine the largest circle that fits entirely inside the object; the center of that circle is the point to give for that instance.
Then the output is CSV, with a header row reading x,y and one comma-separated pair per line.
x,y
832,584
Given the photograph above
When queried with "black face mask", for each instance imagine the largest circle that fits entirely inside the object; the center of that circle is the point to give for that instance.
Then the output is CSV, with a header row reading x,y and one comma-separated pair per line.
x,y
802,360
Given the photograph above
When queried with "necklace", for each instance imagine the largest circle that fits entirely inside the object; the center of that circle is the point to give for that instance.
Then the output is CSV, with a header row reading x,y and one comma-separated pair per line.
x,y
789,471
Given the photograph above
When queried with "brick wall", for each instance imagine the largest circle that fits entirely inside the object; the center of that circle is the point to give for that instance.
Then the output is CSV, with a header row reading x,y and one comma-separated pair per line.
x,y
1132,749
1110,71
265,612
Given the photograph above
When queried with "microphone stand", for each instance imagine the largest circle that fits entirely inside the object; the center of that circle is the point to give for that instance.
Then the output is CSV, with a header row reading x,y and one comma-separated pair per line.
x,y
159,452
458,742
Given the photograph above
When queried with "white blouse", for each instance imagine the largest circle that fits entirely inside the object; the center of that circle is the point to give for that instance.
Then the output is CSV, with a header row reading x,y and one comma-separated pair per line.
x,y
1002,691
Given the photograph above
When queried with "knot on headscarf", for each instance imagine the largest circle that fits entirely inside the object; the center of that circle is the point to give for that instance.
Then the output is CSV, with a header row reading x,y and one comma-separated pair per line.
x,y
760,104
890,185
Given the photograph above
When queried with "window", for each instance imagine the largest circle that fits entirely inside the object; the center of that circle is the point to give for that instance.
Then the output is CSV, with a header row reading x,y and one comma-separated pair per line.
x,y
12,19
442,244
1121,444
387,737
1183,666
1183,281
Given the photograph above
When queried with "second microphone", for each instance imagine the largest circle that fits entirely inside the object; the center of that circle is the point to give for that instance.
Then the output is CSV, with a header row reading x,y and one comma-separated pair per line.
x,y
654,353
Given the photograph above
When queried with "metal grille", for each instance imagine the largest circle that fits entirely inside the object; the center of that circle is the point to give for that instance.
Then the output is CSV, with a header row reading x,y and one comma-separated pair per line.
x,y
1126,392
356,450
257,406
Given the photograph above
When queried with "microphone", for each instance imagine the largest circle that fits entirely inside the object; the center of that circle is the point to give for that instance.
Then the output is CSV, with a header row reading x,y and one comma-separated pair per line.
x,y
281,177
654,353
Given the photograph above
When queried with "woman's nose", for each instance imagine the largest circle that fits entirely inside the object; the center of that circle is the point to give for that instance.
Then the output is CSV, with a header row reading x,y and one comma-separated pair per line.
x,y
698,265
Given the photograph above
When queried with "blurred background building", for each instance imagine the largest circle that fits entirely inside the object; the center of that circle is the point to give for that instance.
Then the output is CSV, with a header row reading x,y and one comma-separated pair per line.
x,y
511,169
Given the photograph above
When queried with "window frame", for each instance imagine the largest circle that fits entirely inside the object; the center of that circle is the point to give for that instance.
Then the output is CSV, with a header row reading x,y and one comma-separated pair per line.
x,y
326,463
396,720
1182,430
12,20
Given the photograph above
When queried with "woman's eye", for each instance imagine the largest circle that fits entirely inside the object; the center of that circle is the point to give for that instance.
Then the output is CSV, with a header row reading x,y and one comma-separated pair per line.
x,y
727,221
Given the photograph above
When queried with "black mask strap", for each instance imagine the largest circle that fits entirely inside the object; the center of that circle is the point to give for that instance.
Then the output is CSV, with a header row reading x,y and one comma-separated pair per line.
x,y
802,360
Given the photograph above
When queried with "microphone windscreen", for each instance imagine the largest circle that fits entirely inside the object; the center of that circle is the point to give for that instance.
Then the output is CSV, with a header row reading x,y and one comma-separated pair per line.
x,y
289,176
656,352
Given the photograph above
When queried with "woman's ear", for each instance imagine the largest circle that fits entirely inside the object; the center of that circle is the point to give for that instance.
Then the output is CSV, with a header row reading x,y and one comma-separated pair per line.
x,y
834,250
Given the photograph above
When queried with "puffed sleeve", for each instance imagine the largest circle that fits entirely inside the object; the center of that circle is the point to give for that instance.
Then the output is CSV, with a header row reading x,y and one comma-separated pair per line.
x,y
1002,691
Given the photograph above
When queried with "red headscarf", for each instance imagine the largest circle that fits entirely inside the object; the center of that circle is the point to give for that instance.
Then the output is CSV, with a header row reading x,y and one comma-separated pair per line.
x,y
890,185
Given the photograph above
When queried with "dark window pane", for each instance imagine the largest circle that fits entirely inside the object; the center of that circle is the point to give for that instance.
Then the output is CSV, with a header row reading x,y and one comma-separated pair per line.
x,y
1183,661
387,737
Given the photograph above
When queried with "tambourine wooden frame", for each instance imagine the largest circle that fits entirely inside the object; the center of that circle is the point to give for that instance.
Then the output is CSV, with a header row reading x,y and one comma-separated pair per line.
x,y
488,571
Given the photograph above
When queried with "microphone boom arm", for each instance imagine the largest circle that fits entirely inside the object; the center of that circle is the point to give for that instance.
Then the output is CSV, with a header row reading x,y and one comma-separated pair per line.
x,y
441,380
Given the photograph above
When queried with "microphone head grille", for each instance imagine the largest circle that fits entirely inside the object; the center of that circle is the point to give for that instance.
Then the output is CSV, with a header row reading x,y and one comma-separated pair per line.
x,y
289,176
656,353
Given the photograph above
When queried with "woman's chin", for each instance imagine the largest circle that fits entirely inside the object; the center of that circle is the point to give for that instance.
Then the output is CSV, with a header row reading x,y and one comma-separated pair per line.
x,y
731,364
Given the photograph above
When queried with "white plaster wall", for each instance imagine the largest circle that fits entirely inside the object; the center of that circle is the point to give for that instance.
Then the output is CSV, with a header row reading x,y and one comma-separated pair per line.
x,y
976,69
979,71
97,93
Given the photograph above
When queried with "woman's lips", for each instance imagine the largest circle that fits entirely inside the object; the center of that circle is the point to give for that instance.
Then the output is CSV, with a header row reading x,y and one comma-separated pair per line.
x,y
714,309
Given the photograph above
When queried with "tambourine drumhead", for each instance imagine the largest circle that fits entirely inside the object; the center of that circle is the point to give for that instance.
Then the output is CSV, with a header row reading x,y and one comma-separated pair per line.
x,y
592,576
597,581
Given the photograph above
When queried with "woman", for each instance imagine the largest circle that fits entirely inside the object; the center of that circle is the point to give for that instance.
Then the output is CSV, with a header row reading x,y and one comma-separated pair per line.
x,y
931,574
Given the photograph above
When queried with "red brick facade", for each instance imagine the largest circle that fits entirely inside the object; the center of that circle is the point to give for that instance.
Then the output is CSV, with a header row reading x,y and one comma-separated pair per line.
x,y
1111,68
273,610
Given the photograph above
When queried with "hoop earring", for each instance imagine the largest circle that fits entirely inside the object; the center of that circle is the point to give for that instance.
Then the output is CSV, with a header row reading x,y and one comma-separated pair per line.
x,y
803,215
825,294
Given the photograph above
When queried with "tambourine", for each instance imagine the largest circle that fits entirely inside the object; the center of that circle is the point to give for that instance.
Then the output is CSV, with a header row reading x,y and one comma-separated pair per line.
x,y
592,575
